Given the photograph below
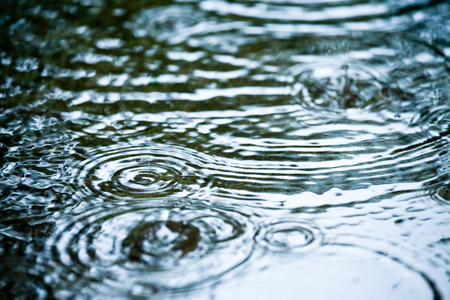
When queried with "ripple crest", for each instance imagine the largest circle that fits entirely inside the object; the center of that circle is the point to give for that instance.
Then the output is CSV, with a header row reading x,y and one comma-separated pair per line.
x,y
166,246
138,172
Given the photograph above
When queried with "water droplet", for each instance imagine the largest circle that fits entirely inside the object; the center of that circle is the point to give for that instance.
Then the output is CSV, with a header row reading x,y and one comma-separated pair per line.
x,y
333,85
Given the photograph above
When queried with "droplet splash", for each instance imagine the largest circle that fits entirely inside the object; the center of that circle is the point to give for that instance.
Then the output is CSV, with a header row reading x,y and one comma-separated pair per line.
x,y
170,246
339,86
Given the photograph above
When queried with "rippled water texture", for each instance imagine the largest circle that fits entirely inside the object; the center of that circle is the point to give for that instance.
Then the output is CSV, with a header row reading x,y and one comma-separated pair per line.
x,y
221,149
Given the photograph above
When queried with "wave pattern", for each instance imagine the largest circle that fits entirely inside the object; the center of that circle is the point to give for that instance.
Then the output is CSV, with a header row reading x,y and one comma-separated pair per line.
x,y
176,245
138,172
289,236
203,149
347,263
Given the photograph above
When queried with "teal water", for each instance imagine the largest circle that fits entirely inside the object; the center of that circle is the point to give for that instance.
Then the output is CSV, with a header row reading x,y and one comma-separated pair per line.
x,y
219,149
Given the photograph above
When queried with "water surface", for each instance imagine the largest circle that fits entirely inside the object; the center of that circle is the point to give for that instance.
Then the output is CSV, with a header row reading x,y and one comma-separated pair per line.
x,y
225,149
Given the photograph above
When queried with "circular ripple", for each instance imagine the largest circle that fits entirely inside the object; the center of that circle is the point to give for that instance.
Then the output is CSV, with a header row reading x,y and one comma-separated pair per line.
x,y
336,272
439,193
137,172
168,246
288,236
338,85
444,193
147,177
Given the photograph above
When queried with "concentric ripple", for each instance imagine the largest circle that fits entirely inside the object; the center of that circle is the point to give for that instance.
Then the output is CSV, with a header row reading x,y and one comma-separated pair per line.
x,y
337,271
444,193
290,236
338,85
266,149
153,176
168,246
138,172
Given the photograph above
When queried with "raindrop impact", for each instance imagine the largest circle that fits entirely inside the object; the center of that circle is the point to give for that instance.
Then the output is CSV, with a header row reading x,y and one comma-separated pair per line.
x,y
168,246
288,236
137,172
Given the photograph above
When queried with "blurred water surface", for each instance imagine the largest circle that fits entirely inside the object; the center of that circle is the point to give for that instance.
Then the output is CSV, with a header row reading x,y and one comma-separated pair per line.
x,y
225,149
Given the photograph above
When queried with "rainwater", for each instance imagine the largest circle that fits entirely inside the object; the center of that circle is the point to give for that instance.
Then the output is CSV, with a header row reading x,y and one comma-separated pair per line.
x,y
224,149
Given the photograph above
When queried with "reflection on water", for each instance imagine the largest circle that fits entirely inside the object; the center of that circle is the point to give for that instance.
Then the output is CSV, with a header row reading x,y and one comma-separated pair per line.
x,y
213,149
164,245
137,172
290,236
335,270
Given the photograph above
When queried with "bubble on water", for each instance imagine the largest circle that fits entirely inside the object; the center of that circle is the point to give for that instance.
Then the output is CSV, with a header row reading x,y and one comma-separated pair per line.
x,y
168,246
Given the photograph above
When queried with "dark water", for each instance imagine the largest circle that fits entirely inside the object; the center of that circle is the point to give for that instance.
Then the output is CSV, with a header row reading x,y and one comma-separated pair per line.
x,y
277,149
